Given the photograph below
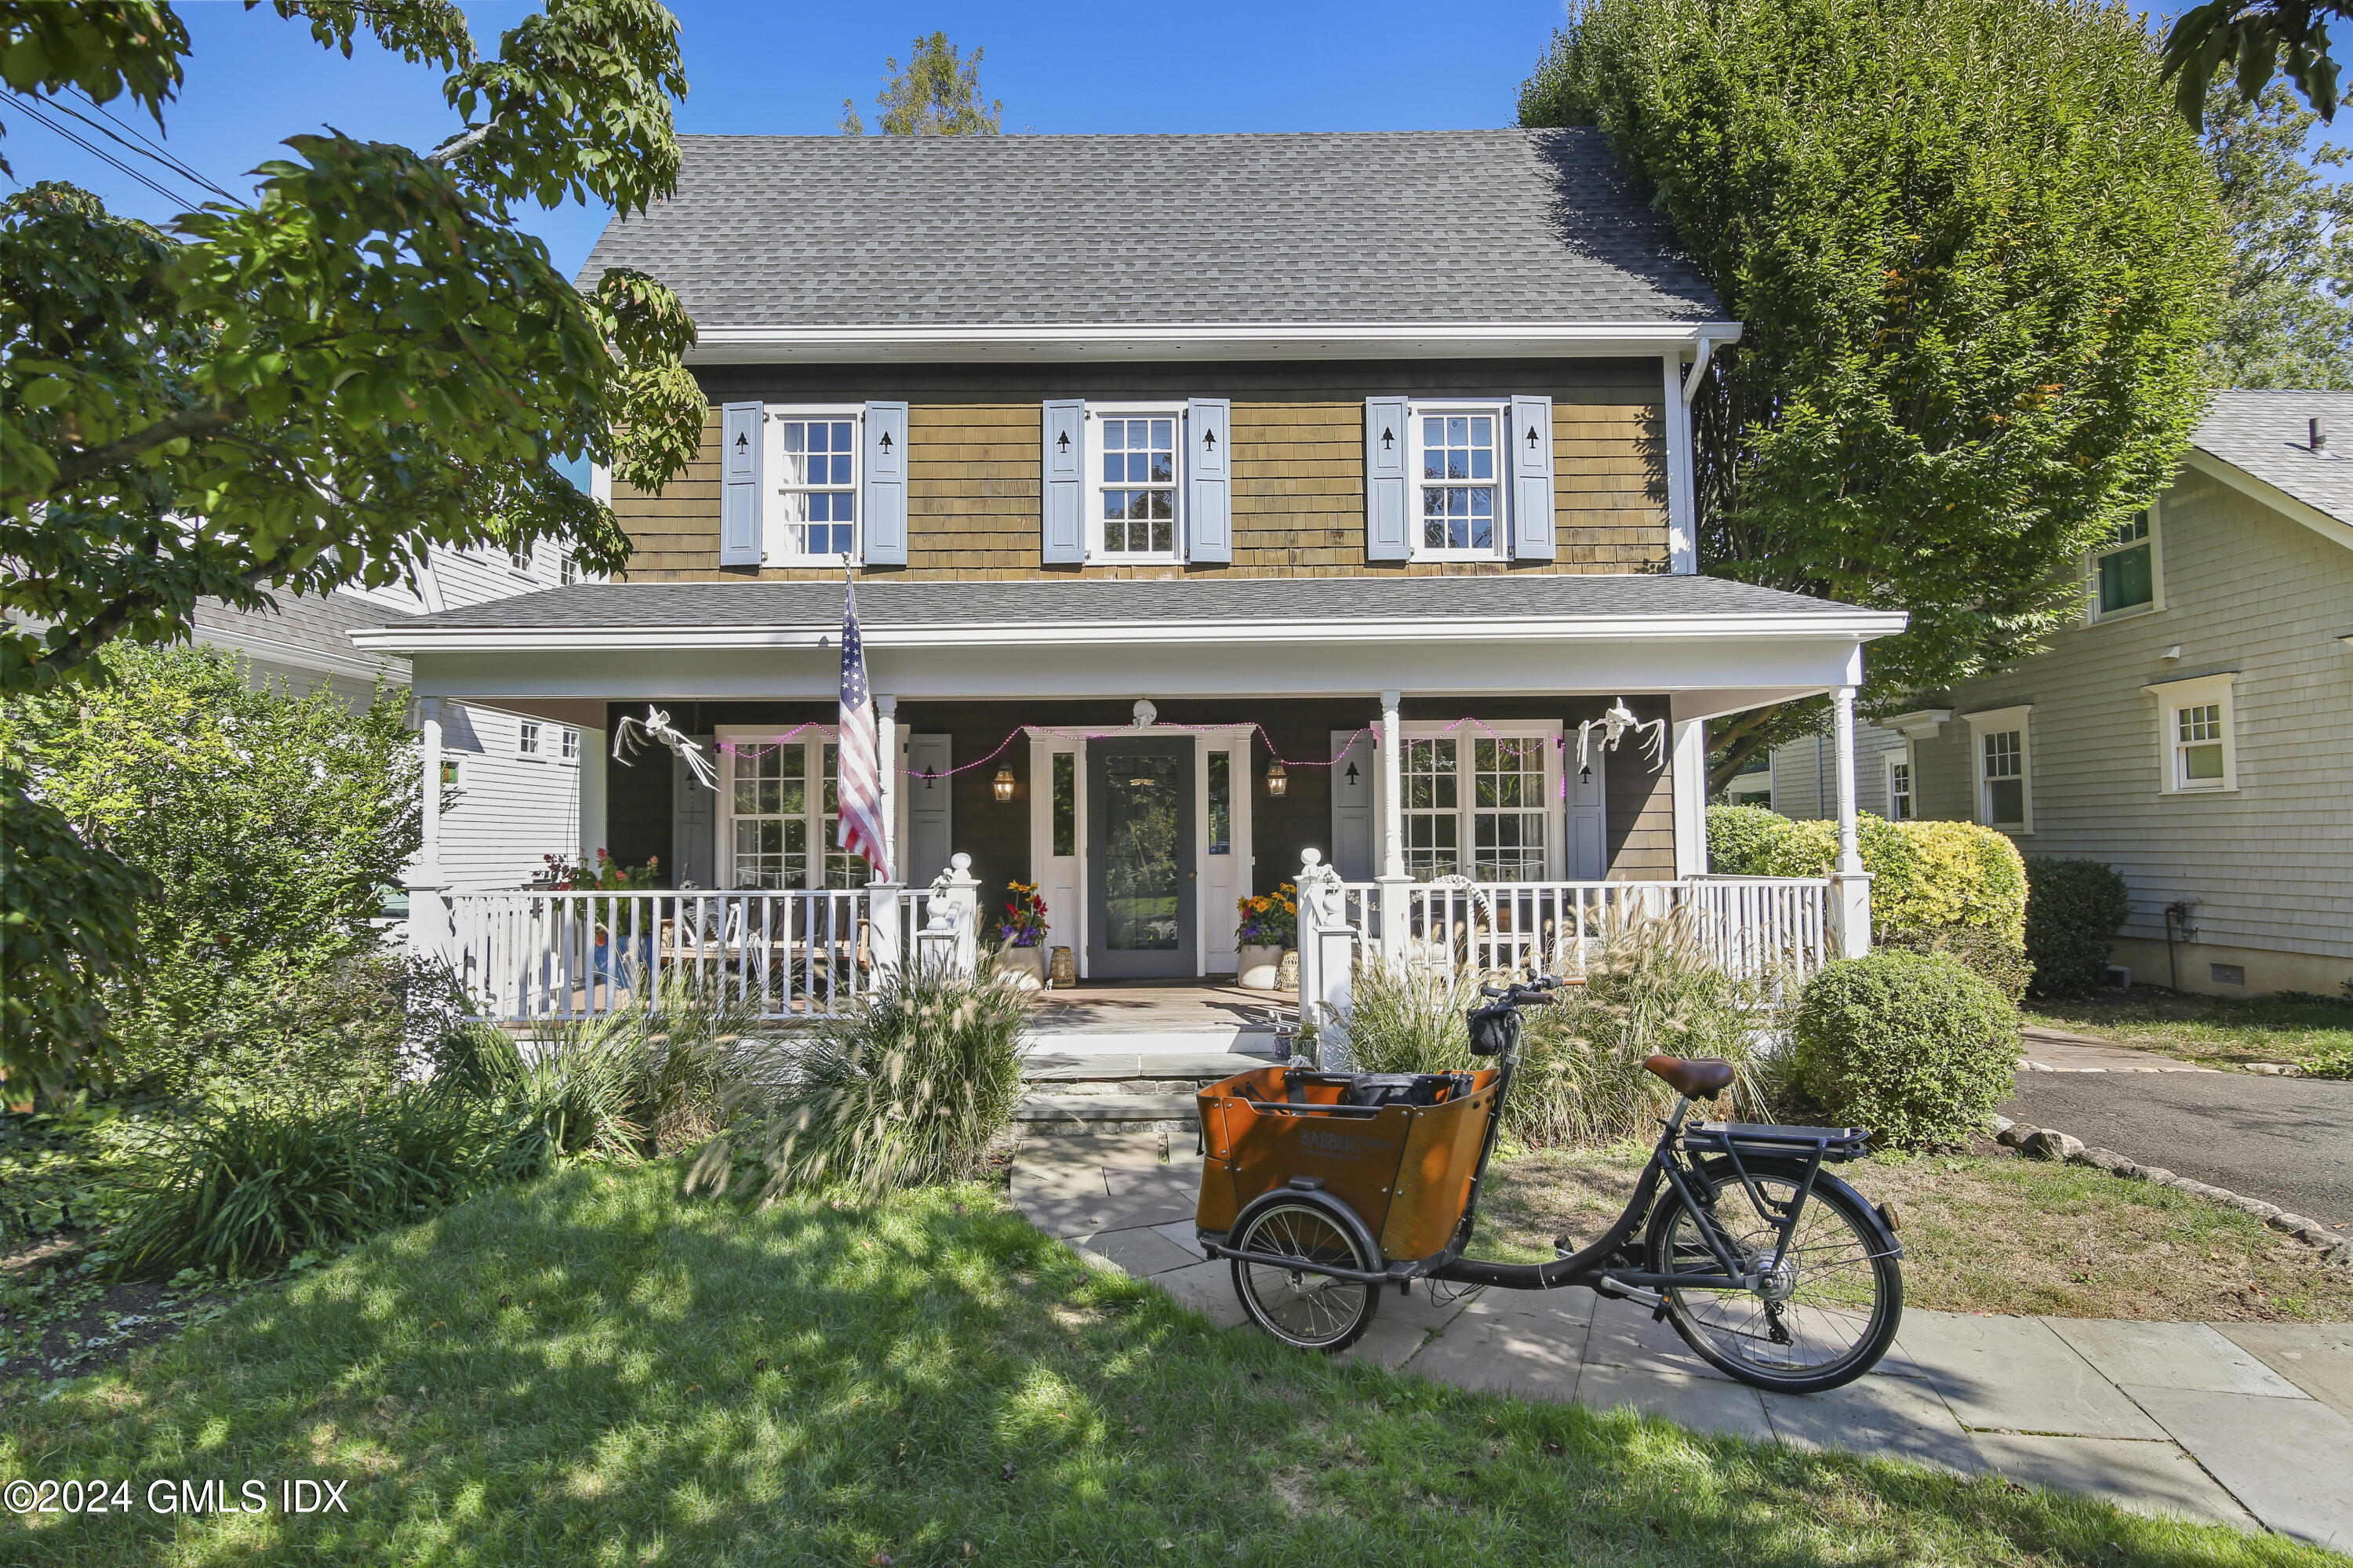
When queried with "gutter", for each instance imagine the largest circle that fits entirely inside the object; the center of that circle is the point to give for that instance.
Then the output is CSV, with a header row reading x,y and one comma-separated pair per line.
x,y
1051,342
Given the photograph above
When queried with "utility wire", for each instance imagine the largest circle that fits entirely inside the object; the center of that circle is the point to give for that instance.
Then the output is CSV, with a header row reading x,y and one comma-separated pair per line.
x,y
137,142
101,154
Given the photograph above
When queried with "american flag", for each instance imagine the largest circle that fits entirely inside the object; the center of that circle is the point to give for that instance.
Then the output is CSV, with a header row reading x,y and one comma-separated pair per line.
x,y
861,755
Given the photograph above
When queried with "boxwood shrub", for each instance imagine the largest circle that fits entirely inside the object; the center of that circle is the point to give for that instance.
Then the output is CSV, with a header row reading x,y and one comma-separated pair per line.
x,y
1923,874
2074,910
1915,1046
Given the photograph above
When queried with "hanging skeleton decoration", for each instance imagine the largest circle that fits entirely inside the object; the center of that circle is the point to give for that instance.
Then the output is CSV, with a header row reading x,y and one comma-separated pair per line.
x,y
1613,725
656,726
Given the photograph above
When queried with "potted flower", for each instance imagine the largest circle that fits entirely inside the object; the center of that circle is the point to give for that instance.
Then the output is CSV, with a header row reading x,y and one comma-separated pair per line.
x,y
1269,924
1021,935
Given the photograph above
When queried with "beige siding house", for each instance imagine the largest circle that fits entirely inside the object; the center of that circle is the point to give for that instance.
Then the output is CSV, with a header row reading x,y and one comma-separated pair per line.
x,y
2196,731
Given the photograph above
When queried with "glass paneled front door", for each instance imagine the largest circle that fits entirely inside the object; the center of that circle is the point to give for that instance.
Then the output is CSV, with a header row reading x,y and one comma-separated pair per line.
x,y
1141,919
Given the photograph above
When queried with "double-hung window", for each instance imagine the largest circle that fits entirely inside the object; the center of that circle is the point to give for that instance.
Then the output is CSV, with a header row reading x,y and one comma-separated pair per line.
x,y
2005,783
1138,498
1479,806
782,813
2196,736
527,738
1900,807
812,464
1460,483
2125,570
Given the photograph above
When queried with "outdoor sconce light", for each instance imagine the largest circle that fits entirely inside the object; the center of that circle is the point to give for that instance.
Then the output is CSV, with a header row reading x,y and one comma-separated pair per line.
x,y
1277,779
1003,784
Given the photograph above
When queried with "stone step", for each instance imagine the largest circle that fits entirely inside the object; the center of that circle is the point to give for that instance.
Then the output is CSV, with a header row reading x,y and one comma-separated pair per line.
x,y
1095,1065
1109,1108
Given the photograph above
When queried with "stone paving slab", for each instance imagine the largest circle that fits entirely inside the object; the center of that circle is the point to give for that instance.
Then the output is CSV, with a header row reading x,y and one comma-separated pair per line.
x,y
2246,1423
1106,1108
2146,1478
1046,1062
2172,1355
2315,1357
2055,1051
2014,1374
2289,1461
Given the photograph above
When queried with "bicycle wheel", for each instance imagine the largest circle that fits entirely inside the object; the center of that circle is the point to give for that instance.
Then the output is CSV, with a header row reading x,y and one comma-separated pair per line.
x,y
1830,1310
1305,1310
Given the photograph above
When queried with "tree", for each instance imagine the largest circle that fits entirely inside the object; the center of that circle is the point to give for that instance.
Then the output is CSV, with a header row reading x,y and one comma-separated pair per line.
x,y
2254,37
1977,255
938,94
2289,318
300,392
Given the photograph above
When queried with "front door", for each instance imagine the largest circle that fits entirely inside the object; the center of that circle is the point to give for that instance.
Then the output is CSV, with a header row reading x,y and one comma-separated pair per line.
x,y
1140,894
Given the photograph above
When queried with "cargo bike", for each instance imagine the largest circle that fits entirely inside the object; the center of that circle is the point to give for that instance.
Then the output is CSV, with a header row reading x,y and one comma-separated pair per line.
x,y
1327,1190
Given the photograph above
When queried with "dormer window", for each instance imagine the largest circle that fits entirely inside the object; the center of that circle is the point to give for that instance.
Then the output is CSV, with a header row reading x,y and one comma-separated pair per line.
x,y
1462,488
1136,492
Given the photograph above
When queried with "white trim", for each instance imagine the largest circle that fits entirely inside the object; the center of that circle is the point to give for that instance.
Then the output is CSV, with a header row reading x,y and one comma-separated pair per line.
x,y
1861,625
813,742
1682,527
1551,808
1201,340
1920,724
773,417
1092,484
1889,762
1499,524
2000,721
2273,497
2092,614
2197,690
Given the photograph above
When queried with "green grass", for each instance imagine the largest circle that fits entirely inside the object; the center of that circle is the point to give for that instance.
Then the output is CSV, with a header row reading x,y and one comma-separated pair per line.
x,y
593,1370
2215,1031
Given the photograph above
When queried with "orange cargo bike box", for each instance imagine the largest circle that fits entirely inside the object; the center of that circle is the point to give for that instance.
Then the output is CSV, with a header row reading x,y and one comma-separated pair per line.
x,y
1400,1151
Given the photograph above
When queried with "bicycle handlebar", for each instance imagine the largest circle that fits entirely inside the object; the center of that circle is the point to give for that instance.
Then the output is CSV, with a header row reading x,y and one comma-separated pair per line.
x,y
1516,993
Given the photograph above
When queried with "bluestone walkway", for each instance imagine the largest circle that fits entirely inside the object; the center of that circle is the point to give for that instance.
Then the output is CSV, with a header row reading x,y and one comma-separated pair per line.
x,y
2247,1423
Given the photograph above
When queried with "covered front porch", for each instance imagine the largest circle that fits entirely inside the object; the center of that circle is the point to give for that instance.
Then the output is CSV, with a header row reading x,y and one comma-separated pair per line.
x,y
1446,770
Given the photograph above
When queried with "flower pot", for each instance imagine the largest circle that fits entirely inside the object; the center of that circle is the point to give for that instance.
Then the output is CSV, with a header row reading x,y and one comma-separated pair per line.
x,y
1257,968
1027,965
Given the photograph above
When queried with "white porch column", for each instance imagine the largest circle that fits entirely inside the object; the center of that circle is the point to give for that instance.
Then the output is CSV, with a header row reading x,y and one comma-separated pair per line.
x,y
593,763
1849,888
1691,799
1393,878
429,890
886,746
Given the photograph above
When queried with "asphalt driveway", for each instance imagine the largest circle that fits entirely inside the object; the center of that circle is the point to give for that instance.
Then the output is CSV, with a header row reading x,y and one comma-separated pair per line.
x,y
2285,1140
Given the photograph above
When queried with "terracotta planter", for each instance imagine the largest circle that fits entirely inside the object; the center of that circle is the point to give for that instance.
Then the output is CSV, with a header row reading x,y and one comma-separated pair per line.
x,y
1027,965
1259,968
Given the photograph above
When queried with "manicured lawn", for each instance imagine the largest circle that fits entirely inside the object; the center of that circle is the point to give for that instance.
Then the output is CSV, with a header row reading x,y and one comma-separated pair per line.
x,y
1995,1233
2217,1031
594,1371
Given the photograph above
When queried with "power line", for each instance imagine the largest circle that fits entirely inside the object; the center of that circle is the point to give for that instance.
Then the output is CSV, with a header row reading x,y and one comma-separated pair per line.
x,y
139,142
101,154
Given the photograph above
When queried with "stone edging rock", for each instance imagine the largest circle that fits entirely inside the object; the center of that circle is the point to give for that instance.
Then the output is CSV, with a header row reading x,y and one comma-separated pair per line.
x,y
2045,1143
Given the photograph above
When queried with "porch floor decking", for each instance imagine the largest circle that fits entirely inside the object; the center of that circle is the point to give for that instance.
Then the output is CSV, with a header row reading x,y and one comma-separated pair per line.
x,y
1159,1007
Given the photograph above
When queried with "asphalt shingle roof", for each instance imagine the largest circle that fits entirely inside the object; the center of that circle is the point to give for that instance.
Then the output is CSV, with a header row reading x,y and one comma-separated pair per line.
x,y
2269,435
1243,601
1406,226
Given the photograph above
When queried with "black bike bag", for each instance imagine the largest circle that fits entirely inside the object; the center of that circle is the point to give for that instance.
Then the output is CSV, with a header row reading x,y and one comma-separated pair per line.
x,y
1835,1144
1405,1088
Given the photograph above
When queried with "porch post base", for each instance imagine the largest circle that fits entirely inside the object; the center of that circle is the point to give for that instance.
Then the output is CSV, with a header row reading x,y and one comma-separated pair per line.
x,y
883,930
1394,944
1850,915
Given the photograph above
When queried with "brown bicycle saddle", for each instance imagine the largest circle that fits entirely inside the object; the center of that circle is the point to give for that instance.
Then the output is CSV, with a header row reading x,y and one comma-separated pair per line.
x,y
1698,1078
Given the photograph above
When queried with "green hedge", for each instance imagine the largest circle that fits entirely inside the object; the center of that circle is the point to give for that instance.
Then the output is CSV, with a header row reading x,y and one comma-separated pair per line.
x,y
1923,874
2074,910
1915,1046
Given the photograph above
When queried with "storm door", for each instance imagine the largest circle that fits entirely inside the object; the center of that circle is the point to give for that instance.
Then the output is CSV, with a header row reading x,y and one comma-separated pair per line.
x,y
1143,881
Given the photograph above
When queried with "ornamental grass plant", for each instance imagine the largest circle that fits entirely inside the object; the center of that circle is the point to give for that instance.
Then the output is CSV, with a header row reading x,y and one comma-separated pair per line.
x,y
912,1086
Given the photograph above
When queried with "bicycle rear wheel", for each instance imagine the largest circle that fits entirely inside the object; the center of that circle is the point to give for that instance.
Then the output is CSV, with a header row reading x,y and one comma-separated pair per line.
x,y
1305,1310
1828,1311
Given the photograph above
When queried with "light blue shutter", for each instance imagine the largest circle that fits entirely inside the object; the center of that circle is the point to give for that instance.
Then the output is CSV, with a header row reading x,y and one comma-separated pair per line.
x,y
740,443
886,484
1385,518
1209,504
1532,479
1065,428
1352,806
930,791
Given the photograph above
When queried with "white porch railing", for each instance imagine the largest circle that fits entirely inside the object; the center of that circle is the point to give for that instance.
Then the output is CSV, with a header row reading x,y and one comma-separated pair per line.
x,y
1779,929
794,956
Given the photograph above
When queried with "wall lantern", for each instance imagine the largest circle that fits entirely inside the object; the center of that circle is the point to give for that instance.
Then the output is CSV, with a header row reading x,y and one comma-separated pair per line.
x,y
1003,784
1277,779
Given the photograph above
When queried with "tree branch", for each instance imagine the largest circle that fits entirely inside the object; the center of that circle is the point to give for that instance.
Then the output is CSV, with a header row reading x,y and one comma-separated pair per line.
x,y
90,463
458,146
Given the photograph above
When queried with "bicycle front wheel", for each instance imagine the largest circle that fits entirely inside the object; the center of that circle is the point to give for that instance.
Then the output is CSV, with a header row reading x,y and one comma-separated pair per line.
x,y
1822,1319
1305,1310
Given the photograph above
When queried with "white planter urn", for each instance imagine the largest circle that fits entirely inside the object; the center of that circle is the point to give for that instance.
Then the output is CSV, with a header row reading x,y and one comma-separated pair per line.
x,y
1257,968
1026,965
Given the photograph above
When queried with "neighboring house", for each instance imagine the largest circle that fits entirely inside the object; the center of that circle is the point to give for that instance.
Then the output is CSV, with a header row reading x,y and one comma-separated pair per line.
x,y
1174,473
519,777
2195,731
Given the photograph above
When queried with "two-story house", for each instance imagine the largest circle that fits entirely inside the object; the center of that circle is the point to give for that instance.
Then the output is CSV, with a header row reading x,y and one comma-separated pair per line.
x,y
1209,500
2195,730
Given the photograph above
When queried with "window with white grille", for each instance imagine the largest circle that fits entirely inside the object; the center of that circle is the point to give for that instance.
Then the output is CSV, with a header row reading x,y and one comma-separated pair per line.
x,y
527,738
812,512
1136,492
1480,806
1899,790
783,813
1460,485
2197,739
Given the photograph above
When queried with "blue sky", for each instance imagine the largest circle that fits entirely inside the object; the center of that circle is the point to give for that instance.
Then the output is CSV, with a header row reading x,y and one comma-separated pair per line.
x,y
1205,65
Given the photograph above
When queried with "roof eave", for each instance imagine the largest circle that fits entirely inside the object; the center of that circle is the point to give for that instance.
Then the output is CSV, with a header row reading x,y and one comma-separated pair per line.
x,y
1049,342
1859,625
2271,495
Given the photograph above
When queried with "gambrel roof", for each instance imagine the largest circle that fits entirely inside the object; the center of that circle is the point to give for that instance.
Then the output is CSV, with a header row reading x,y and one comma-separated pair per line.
x,y
1500,228
2268,435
